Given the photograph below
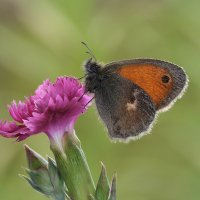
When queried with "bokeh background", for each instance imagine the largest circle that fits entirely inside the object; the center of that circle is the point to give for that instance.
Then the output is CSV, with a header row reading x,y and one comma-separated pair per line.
x,y
40,39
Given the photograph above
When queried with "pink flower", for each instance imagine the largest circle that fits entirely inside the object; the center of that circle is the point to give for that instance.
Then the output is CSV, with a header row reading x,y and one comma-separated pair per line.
x,y
53,109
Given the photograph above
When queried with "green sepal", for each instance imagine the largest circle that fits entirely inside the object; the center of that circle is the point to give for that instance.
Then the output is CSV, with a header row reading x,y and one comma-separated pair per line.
x,y
56,180
55,176
103,186
32,184
113,195
35,160
72,164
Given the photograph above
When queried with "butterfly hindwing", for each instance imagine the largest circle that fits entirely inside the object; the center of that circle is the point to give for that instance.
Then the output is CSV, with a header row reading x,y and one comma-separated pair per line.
x,y
124,107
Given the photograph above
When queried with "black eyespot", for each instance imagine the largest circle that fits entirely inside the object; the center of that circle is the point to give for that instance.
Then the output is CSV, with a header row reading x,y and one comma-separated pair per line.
x,y
165,79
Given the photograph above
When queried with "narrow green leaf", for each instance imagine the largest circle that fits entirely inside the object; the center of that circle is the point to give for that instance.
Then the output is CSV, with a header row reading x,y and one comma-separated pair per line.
x,y
103,186
113,195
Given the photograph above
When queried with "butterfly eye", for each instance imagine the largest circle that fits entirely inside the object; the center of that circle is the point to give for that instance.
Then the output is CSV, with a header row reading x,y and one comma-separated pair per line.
x,y
165,79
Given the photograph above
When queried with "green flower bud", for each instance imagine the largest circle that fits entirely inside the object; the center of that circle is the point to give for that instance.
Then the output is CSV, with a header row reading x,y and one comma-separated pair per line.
x,y
44,176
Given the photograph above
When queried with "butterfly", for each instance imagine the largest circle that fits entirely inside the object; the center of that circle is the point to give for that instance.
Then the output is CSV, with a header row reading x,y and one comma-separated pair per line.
x,y
130,93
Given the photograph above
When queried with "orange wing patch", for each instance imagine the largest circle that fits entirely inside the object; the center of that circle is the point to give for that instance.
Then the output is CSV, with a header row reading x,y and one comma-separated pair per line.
x,y
155,81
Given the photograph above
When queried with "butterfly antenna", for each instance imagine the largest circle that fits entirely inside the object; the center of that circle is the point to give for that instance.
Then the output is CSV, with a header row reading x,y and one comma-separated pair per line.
x,y
90,52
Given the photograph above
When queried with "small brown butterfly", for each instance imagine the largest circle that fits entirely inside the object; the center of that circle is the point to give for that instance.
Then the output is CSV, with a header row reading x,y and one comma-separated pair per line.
x,y
130,93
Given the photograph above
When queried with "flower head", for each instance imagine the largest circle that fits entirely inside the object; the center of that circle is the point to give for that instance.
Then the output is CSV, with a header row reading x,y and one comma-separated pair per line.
x,y
53,109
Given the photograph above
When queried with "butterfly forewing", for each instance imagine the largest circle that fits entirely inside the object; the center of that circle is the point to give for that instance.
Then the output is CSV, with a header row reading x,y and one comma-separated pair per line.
x,y
164,82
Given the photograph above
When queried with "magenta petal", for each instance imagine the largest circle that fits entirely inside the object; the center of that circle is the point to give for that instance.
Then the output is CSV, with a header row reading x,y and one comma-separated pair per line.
x,y
13,109
8,127
11,130
22,110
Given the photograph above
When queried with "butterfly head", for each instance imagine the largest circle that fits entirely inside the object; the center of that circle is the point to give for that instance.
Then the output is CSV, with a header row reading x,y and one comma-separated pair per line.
x,y
93,75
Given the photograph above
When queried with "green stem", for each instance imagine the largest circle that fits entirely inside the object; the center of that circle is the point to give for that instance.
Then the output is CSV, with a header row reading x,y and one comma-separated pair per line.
x,y
58,198
74,169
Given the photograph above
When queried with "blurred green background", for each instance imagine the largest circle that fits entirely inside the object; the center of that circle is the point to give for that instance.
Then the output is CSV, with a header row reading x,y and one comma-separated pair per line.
x,y
40,39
